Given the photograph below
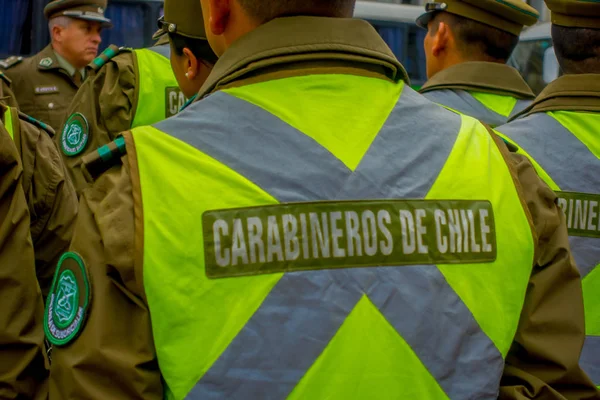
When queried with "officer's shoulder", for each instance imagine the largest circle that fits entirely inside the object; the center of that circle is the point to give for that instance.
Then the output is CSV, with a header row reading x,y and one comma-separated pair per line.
x,y
110,53
10,62
38,124
104,158
5,79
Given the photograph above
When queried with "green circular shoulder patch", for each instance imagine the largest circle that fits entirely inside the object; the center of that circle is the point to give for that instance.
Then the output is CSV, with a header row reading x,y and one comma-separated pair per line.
x,y
68,302
75,135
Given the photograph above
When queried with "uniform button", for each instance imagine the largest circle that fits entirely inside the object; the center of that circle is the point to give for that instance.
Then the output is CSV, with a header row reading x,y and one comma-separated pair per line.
x,y
51,106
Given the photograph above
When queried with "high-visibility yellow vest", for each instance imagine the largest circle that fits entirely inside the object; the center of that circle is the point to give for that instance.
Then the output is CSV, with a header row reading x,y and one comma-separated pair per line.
x,y
159,96
493,109
330,236
564,147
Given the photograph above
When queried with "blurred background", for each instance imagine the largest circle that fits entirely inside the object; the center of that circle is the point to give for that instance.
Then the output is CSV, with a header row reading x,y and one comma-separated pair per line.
x,y
24,31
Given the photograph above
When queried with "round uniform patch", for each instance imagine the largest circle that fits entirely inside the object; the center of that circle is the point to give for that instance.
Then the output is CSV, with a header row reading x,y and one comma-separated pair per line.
x,y
68,301
75,135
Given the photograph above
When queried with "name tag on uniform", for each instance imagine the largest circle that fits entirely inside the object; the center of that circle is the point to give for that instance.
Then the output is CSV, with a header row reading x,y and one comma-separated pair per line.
x,y
582,211
46,89
332,235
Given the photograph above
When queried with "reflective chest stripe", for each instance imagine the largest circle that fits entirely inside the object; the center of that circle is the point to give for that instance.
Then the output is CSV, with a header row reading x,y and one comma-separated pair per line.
x,y
277,334
158,92
465,103
571,167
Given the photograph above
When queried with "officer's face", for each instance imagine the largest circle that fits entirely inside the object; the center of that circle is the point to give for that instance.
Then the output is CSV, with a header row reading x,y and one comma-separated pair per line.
x,y
80,41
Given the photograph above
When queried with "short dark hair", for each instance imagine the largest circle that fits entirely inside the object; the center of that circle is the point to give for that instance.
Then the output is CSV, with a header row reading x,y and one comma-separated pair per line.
x,y
200,48
266,10
577,49
478,40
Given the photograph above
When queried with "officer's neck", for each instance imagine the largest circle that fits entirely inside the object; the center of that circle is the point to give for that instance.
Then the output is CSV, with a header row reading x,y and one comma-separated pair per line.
x,y
64,57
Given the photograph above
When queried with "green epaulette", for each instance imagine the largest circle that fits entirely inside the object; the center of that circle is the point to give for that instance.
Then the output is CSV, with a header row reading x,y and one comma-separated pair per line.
x,y
98,162
110,52
35,122
10,62
5,78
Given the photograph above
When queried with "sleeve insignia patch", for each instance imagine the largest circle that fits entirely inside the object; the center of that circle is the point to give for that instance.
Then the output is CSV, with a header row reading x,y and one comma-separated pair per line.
x,y
68,302
75,135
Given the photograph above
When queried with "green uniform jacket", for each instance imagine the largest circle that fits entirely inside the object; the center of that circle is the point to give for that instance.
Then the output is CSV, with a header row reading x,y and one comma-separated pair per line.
x,y
109,101
117,338
23,366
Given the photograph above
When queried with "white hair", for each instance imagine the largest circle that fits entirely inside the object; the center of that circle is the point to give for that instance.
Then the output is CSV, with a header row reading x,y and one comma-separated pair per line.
x,y
61,21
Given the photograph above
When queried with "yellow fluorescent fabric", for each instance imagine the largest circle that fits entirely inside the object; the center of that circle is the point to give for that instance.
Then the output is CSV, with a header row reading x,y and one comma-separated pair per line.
x,y
155,75
206,315
503,105
494,293
190,292
324,114
8,122
381,366
585,126
591,294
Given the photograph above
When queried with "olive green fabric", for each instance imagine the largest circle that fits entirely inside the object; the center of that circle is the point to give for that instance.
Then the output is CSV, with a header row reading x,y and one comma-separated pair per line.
x,y
567,93
252,53
89,10
507,15
481,76
575,13
177,19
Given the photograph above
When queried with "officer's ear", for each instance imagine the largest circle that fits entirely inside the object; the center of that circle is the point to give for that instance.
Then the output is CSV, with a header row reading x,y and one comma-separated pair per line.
x,y
441,38
193,64
218,15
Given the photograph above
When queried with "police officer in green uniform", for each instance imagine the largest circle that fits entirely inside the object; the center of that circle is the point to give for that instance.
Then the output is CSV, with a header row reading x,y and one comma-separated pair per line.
x,y
23,362
45,84
467,47
312,228
135,87
559,131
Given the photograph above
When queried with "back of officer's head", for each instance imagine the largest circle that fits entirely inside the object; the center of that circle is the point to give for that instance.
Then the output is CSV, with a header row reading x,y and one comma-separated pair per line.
x,y
473,30
577,49
266,10
576,35
476,41
228,20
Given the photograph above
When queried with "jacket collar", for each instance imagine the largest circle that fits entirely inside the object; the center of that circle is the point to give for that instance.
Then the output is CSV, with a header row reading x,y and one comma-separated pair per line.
x,y
47,60
487,77
568,93
292,39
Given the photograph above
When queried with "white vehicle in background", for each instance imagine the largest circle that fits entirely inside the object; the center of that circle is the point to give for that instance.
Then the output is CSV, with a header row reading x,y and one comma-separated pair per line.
x,y
534,57
396,25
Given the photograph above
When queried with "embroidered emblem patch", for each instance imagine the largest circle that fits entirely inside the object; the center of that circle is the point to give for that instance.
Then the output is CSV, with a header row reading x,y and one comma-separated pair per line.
x,y
68,301
46,62
75,135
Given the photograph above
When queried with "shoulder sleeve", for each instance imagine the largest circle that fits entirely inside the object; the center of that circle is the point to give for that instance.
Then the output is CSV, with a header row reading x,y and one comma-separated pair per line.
x,y
6,94
51,199
543,361
106,102
23,370
116,340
